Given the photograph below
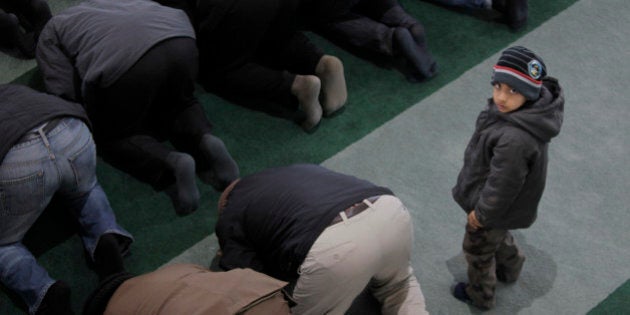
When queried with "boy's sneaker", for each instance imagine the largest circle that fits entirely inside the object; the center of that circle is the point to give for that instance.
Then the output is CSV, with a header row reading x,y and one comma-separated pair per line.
x,y
459,292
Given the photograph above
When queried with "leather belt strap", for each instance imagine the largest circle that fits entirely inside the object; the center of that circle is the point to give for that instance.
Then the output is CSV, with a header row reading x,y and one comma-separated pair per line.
x,y
46,127
354,210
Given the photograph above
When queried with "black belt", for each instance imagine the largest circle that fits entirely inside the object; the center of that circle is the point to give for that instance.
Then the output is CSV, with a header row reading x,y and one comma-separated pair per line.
x,y
354,210
34,134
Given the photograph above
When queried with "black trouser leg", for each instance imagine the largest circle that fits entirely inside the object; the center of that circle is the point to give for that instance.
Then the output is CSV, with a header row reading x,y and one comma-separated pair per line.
x,y
141,109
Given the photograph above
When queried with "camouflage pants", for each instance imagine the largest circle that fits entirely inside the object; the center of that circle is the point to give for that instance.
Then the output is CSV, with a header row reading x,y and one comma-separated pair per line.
x,y
491,254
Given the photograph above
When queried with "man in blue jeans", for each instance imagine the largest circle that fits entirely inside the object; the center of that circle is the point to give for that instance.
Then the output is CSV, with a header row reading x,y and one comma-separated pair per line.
x,y
46,149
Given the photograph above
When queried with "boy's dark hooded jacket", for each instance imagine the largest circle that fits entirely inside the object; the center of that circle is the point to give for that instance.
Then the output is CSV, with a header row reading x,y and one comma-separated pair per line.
x,y
505,163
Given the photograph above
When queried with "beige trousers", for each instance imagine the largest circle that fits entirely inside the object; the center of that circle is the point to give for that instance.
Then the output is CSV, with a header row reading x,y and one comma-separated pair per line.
x,y
370,249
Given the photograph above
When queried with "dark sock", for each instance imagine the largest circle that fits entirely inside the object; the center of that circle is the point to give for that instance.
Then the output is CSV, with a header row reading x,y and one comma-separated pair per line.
x,y
38,14
184,192
108,258
515,12
418,34
9,30
12,35
417,56
56,301
219,168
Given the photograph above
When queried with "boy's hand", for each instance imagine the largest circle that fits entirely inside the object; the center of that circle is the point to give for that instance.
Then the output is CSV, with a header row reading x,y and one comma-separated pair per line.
x,y
472,220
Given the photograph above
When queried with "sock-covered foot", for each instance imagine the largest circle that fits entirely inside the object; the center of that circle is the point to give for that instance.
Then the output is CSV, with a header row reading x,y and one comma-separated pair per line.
x,y
306,88
108,259
38,14
334,94
417,56
515,12
183,193
56,301
220,169
10,30
14,37
459,292
418,34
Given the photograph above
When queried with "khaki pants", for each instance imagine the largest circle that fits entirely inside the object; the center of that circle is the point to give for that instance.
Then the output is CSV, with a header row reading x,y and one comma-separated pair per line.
x,y
371,249
491,254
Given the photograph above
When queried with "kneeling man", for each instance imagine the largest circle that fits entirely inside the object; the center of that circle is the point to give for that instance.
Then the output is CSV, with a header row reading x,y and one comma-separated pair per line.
x,y
333,233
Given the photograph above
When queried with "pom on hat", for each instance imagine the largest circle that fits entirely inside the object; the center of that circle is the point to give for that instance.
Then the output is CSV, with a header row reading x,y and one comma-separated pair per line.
x,y
521,69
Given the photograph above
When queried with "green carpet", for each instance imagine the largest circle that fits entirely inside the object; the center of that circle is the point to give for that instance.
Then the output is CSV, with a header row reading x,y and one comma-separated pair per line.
x,y
258,141
617,303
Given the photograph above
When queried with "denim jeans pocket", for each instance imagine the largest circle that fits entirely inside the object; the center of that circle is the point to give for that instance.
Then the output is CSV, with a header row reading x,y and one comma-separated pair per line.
x,y
22,195
83,163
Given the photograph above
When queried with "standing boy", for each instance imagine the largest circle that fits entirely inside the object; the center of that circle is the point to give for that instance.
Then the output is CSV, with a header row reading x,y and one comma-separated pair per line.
x,y
505,166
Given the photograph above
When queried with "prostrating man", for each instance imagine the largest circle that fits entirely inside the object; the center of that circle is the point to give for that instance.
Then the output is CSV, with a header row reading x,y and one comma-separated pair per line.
x,y
133,65
333,233
46,150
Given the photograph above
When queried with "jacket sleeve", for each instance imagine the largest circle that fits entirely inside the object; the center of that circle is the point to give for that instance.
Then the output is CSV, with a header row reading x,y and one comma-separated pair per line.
x,y
509,168
236,249
57,68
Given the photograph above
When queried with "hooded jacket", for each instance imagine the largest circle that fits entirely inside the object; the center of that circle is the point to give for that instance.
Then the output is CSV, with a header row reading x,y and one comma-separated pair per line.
x,y
505,163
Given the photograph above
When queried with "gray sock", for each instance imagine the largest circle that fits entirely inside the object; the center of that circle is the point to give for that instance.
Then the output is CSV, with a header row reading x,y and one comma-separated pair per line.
x,y
333,84
183,193
219,168
307,88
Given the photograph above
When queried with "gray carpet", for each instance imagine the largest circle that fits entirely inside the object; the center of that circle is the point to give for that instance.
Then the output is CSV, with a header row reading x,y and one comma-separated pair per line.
x,y
578,250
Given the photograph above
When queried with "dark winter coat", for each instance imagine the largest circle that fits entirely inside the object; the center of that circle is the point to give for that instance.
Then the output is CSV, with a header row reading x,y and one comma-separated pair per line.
x,y
505,163
23,109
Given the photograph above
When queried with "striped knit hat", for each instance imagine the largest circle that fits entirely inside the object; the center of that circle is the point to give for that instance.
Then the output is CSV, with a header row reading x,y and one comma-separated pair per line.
x,y
521,69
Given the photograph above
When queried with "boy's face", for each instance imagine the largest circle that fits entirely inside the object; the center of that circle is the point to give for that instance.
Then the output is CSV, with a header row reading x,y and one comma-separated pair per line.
x,y
506,98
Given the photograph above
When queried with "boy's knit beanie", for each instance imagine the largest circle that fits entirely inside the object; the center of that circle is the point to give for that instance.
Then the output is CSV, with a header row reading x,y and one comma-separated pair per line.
x,y
521,69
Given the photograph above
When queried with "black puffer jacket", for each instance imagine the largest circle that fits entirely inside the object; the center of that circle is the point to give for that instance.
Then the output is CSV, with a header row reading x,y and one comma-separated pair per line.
x,y
505,163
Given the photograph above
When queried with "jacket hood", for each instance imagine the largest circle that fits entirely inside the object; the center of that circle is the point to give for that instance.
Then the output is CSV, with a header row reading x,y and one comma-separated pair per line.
x,y
542,117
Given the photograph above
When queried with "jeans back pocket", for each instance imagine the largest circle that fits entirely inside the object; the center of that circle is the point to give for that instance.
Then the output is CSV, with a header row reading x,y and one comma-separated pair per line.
x,y
20,196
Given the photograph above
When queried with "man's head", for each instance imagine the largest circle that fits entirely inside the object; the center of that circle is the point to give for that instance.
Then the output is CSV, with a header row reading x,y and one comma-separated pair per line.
x,y
223,199
517,78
